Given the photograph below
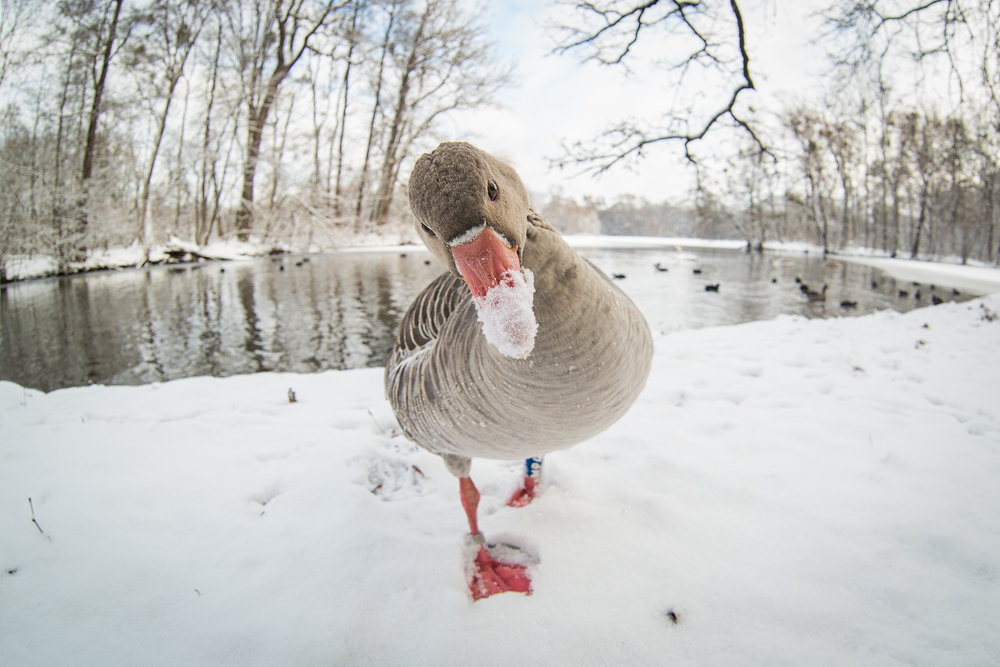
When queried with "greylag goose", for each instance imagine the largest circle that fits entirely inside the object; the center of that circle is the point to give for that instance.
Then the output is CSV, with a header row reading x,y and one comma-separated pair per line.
x,y
813,295
521,348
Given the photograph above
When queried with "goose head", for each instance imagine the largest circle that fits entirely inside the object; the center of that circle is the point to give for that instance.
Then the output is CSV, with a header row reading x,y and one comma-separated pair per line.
x,y
471,211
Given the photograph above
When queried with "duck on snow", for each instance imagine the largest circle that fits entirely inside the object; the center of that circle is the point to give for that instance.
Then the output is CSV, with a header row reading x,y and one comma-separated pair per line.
x,y
520,349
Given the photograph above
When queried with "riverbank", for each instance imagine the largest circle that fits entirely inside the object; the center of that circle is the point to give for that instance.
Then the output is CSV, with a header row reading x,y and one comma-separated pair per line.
x,y
974,276
782,490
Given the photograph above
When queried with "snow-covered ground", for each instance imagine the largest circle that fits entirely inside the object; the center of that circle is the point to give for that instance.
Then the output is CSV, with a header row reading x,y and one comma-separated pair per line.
x,y
974,278
787,492
25,267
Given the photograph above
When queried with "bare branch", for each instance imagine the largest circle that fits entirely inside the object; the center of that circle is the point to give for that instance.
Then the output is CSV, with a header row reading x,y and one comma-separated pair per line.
x,y
617,31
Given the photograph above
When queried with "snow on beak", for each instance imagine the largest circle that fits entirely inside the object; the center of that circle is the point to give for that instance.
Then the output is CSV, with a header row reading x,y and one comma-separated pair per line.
x,y
502,292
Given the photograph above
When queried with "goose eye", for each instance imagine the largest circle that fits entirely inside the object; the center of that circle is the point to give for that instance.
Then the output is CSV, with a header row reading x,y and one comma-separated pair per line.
x,y
492,190
426,229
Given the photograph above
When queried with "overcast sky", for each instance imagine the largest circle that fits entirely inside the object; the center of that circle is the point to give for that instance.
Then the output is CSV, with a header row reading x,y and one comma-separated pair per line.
x,y
557,98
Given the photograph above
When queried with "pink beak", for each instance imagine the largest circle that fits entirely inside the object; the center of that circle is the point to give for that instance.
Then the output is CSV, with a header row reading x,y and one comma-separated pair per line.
x,y
484,260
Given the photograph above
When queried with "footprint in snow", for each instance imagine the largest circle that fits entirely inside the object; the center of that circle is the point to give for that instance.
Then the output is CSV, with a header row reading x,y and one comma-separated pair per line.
x,y
395,479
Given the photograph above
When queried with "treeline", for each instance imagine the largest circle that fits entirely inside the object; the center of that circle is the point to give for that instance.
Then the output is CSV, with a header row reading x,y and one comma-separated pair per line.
x,y
904,181
288,120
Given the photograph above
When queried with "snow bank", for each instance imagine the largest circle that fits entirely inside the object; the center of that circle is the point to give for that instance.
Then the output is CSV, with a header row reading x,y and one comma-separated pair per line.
x,y
600,241
25,267
980,279
788,492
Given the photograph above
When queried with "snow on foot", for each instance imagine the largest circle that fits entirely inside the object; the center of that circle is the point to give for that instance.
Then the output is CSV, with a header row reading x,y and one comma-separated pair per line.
x,y
525,494
491,576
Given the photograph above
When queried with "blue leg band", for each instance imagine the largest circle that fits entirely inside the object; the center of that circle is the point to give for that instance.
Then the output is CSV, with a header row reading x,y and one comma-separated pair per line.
x,y
533,467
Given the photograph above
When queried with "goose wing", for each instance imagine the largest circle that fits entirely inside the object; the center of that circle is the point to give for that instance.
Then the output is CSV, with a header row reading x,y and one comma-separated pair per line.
x,y
428,313
411,377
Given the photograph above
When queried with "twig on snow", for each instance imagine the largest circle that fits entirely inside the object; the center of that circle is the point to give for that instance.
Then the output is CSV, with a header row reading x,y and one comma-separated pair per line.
x,y
377,425
32,506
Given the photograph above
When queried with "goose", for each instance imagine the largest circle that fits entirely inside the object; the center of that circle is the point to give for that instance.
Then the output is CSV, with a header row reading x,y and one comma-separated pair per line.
x,y
568,360
712,288
815,296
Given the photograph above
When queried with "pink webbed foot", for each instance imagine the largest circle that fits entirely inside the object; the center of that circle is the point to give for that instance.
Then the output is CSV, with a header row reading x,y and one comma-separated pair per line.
x,y
492,577
525,494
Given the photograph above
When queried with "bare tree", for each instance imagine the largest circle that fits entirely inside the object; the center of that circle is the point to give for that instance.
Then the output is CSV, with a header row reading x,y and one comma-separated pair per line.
x,y
273,38
712,43
16,18
353,38
208,177
808,129
445,65
751,178
110,84
96,33
393,9
109,45
926,132
874,35
163,53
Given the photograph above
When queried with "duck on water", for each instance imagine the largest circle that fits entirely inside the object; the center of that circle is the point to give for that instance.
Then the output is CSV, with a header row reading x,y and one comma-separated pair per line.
x,y
521,348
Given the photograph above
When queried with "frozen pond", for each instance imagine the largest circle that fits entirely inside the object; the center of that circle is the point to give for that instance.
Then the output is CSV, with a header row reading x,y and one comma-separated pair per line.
x,y
335,311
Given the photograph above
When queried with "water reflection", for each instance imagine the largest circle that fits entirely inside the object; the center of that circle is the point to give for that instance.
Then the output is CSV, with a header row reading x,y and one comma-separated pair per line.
x,y
341,311
753,286
136,327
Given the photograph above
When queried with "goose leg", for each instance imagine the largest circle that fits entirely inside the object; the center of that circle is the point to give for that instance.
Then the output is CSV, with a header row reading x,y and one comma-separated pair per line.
x,y
470,501
490,576
532,474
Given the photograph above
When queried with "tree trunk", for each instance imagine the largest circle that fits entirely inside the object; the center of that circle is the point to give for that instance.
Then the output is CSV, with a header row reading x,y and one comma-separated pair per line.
x,y
846,232
256,118
95,108
895,217
144,216
203,226
390,167
920,222
180,180
371,126
58,208
343,113
90,146
990,214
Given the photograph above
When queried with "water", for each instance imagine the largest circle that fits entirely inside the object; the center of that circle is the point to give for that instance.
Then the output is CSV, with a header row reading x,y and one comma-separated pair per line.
x,y
341,310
